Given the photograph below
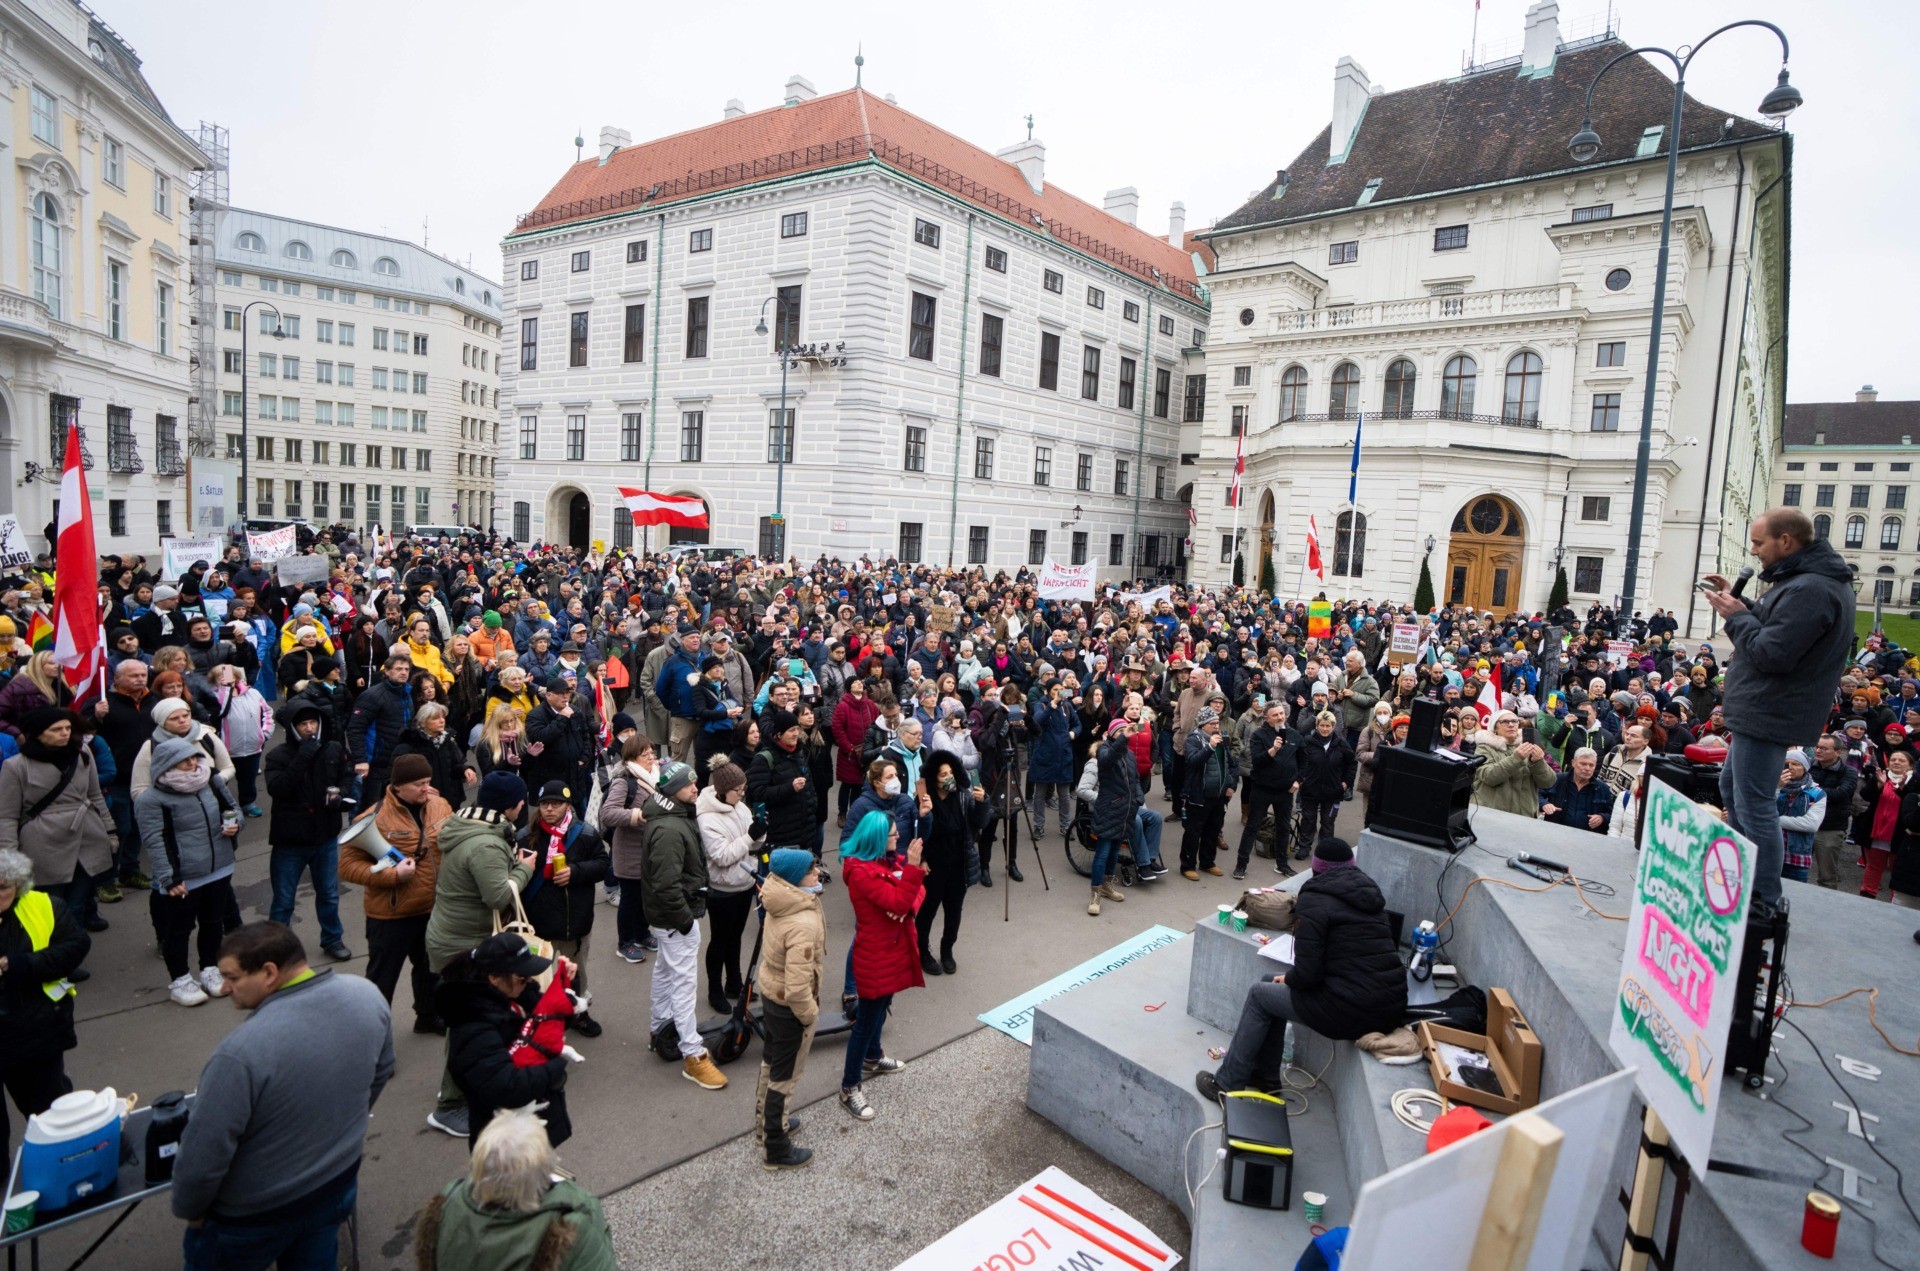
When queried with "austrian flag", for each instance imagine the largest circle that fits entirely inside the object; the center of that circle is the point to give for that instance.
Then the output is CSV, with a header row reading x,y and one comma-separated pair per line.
x,y
80,640
649,508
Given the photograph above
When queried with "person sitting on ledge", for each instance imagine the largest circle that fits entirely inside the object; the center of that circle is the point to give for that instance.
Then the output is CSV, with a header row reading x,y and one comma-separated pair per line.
x,y
1347,979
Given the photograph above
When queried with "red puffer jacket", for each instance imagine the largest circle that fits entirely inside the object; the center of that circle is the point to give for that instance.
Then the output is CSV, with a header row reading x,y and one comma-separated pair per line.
x,y
886,948
851,719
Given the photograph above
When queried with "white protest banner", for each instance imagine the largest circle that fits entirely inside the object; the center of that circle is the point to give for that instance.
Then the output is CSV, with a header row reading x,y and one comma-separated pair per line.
x,y
1145,599
1685,928
1049,1221
1066,582
14,551
179,554
215,608
273,544
1406,643
1618,651
302,569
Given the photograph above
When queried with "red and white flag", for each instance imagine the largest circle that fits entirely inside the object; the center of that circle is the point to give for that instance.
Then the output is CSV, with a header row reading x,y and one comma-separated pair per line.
x,y
80,640
1314,562
1490,699
1239,469
649,508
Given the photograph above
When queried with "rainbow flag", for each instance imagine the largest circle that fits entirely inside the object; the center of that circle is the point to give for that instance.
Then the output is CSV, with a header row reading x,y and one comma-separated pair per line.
x,y
1320,619
39,632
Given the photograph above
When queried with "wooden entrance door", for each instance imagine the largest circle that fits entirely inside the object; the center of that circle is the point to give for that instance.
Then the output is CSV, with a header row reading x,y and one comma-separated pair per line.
x,y
1485,555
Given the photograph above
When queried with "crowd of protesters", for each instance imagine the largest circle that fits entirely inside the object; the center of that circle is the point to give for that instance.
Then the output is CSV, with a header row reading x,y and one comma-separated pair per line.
x,y
477,734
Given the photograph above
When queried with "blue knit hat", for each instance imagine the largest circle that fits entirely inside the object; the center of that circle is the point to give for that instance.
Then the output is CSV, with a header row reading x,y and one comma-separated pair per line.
x,y
501,790
790,863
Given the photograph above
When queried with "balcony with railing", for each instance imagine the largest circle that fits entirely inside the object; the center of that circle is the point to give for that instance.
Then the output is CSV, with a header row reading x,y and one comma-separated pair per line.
x,y
123,452
1507,302
1514,419
167,460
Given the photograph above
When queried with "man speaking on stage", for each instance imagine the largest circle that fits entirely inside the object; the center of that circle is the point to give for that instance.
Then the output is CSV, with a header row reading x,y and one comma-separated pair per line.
x,y
1789,648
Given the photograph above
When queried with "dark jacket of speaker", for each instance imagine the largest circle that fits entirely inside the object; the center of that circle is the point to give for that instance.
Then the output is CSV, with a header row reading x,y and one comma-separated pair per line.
x,y
1347,978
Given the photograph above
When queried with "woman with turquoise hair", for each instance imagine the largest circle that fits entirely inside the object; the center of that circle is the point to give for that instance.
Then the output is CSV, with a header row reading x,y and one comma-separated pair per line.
x,y
886,889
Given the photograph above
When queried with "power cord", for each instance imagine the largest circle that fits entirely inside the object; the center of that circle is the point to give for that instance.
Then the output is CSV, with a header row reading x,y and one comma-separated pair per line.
x,y
1186,1166
1899,1179
1298,1089
1402,1104
1873,996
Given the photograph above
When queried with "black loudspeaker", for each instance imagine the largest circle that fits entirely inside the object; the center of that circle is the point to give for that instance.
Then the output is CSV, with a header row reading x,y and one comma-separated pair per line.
x,y
1756,994
1424,732
1422,796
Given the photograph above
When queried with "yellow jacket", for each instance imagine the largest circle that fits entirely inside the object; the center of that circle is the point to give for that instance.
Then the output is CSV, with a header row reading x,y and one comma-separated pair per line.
x,y
426,656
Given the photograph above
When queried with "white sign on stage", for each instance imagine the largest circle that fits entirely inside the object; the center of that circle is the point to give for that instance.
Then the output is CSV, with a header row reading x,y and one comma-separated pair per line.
x,y
1066,582
1049,1221
178,555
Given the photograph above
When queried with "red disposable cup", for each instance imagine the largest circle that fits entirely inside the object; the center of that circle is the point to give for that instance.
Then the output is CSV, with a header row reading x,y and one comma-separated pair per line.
x,y
1820,1227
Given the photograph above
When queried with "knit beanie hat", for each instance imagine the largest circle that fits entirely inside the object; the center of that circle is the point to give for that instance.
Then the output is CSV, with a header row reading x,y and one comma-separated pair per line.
x,y
490,620
779,720
499,791
725,776
1331,853
411,766
167,706
1799,756
790,863
674,777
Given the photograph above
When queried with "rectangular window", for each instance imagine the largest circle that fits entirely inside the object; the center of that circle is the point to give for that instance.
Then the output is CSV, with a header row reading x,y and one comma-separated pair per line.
x,y
269,407
120,451
1826,467
983,459
419,345
582,262
323,331
636,253
996,260
1120,476
577,339
780,436
1863,467
1166,325
1043,465
1611,353
231,403
290,409
1036,547
117,518
346,332
1823,496
1606,412
1159,481
1096,298
1896,496
323,293
1116,549
926,233
529,343
322,453
786,318
1860,496
1242,376
1449,238
915,458
1790,495
399,505
992,330
1226,548
1199,337
323,372
349,457
344,411
1078,556
1083,472
1892,467
1343,253
1089,373
163,517
793,225
1129,369
163,195
230,319
163,319
976,544
920,333
230,361
116,299
1239,420
423,461
1598,212
323,412
1586,574
910,539
1049,360
263,448
113,163
293,498
422,503
380,378
629,438
380,341
44,113
348,494
1053,281
375,458
268,284
697,325
1130,311
700,240
529,270
529,436
576,437
633,340
693,436
1890,534
1162,392
1194,408
1595,507
522,521
234,448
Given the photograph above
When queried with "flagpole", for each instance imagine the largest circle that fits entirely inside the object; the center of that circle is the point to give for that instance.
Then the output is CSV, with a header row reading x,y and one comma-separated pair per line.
x,y
1239,501
1353,496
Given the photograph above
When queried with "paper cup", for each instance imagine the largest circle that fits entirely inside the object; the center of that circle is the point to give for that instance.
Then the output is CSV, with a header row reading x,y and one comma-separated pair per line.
x,y
1226,914
20,1211
1316,1203
1239,920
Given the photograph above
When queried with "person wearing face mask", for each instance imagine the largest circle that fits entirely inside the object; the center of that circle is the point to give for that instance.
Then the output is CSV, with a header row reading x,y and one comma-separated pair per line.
x,y
188,824
731,838
1375,736
949,832
953,738
793,955
173,717
885,791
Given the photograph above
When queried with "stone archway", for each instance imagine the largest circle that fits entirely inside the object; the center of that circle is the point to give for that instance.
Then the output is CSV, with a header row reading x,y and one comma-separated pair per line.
x,y
1485,555
569,517
1266,526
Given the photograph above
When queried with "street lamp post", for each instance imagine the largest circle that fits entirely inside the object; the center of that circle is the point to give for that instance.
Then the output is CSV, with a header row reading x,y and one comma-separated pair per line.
x,y
1585,147
246,401
786,434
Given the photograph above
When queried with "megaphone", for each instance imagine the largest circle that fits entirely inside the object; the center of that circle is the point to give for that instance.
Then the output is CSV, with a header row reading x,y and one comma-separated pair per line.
x,y
364,836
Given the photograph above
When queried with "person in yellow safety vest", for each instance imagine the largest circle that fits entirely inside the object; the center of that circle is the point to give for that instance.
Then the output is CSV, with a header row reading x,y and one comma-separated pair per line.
x,y
41,949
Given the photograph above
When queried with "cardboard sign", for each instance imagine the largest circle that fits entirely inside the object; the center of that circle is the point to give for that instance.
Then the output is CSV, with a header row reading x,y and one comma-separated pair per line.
x,y
1685,928
1066,582
1406,643
178,555
274,544
1618,651
293,570
1015,1018
943,618
1049,1221
14,552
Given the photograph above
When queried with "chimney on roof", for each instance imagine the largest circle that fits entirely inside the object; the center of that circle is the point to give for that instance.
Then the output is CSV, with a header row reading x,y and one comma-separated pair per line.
x,y
1177,224
1543,37
611,139
734,109
1867,393
1350,97
1030,156
800,89
1125,204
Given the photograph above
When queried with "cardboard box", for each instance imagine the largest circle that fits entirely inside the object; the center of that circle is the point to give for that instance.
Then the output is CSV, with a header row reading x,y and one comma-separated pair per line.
x,y
1512,1050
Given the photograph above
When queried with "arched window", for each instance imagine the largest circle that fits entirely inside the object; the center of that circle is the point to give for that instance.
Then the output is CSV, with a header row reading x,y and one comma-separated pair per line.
x,y
46,253
250,242
1350,544
1456,386
297,250
1856,531
1523,389
1344,395
1890,534
1397,401
486,298
1823,526
1293,393
386,265
343,259
1883,585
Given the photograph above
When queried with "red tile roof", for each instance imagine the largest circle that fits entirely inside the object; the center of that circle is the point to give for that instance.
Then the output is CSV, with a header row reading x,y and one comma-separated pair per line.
x,y
837,129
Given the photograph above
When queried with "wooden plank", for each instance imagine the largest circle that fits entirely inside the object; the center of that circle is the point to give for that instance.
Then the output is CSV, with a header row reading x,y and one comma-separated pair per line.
x,y
1521,1181
1645,1205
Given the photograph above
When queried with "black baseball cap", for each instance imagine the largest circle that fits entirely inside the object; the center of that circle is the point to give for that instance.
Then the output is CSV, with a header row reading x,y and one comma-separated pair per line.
x,y
507,954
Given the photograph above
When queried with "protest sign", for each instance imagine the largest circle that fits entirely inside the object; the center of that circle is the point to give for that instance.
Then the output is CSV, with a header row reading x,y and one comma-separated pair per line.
x,y
1406,643
1145,599
1618,651
1066,582
302,569
1051,1220
1319,619
943,618
272,545
14,552
178,555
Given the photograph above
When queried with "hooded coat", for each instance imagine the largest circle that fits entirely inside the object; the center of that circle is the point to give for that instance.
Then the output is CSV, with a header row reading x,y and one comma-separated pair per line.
x,y
793,948
1789,645
74,830
676,866
1347,978
181,832
886,945
477,864
567,1232
481,1024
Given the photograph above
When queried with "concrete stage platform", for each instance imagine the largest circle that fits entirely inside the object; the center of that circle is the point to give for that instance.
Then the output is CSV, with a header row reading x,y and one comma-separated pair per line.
x,y
1120,1079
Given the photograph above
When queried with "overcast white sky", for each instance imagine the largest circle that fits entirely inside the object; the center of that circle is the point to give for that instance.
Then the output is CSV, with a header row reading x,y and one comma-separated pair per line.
x,y
379,114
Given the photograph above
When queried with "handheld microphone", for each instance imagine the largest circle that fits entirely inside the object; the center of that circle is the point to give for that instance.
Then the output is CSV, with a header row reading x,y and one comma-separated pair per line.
x,y
1541,861
1740,583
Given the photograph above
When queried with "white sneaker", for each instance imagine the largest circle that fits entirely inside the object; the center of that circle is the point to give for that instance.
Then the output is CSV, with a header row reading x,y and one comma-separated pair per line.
x,y
210,981
185,992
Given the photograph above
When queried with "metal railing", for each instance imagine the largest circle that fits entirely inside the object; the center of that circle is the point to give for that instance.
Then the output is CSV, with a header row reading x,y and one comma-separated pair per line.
x,y
123,453
1324,417
167,460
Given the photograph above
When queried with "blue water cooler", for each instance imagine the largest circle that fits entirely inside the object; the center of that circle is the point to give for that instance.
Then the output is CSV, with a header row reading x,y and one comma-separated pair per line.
x,y
72,1150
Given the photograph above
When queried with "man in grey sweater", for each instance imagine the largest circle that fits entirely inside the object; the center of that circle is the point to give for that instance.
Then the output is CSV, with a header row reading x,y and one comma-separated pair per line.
x,y
269,1165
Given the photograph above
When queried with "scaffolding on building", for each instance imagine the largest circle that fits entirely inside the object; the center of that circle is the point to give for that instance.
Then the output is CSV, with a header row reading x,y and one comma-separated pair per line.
x,y
209,199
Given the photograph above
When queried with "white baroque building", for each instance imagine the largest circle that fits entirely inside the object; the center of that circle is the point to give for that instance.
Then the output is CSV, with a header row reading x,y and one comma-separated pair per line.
x,y
988,369
377,403
1434,259
93,279
1850,466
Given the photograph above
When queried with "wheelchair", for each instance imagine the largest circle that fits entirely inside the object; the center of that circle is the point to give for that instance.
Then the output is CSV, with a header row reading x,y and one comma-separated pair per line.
x,y
1080,844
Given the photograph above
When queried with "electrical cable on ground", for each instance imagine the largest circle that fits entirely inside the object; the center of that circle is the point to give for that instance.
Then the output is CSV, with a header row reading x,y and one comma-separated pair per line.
x,y
1403,1101
1186,1166
1873,996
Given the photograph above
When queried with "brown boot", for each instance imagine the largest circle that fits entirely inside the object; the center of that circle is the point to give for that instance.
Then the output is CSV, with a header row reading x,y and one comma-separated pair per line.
x,y
1093,906
1111,890
700,1070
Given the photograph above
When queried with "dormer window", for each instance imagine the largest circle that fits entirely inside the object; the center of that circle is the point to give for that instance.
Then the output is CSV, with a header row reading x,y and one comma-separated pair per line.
x,y
250,242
